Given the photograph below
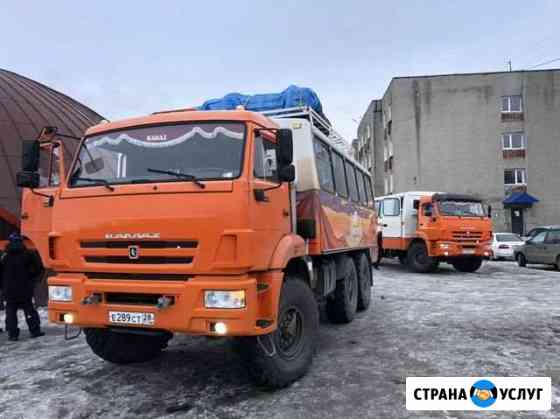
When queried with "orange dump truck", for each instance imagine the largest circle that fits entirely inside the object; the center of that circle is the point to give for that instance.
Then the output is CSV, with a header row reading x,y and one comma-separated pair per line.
x,y
423,229
217,223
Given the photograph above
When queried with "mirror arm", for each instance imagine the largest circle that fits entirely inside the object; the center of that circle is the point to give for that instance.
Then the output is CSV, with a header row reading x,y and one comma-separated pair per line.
x,y
33,191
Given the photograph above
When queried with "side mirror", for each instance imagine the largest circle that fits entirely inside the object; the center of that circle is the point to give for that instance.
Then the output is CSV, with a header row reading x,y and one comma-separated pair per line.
x,y
428,213
94,165
30,151
287,173
285,146
489,211
27,179
416,204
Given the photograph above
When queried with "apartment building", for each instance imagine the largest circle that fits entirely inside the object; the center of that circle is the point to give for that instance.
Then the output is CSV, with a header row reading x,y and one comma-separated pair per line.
x,y
492,135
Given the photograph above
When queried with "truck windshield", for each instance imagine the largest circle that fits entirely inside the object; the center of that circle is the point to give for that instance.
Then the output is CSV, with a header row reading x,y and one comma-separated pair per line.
x,y
461,209
204,151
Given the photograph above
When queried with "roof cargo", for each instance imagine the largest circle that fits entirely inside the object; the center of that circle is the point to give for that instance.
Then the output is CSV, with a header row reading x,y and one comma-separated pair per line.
x,y
293,96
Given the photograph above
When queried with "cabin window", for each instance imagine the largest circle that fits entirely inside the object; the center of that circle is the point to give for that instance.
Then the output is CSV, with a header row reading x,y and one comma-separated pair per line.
x,y
324,166
339,177
361,187
391,207
265,165
369,190
351,176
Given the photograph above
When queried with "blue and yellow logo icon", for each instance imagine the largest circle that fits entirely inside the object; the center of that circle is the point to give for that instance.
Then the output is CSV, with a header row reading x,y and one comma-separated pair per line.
x,y
483,393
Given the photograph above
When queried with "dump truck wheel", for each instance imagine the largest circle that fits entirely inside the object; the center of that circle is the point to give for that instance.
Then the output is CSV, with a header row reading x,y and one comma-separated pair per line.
x,y
123,347
364,281
418,259
283,356
342,305
467,264
521,260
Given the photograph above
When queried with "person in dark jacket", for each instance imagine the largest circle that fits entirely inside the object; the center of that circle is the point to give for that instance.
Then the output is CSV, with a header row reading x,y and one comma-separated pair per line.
x,y
20,267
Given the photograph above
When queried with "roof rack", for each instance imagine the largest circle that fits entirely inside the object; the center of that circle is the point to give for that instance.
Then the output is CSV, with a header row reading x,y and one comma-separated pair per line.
x,y
317,120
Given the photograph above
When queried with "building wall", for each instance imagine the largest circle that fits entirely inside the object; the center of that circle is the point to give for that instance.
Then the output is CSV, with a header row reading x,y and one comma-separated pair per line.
x,y
370,139
445,134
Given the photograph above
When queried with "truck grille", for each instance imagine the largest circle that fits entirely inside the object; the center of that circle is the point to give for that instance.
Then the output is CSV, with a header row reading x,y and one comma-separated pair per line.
x,y
467,236
138,276
142,260
188,244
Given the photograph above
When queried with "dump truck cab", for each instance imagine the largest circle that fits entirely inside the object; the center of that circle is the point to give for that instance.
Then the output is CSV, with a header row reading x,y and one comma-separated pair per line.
x,y
423,229
194,222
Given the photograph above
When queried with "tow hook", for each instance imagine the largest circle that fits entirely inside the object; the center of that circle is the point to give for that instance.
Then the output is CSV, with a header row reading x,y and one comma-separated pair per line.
x,y
164,302
92,299
269,351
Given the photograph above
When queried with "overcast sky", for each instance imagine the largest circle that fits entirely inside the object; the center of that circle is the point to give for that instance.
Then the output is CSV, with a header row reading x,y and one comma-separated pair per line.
x,y
127,58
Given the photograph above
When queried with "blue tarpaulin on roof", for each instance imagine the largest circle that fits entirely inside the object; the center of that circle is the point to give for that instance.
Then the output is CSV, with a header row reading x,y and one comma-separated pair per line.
x,y
520,198
293,96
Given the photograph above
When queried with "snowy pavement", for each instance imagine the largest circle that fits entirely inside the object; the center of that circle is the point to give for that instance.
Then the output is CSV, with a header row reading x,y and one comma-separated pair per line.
x,y
501,321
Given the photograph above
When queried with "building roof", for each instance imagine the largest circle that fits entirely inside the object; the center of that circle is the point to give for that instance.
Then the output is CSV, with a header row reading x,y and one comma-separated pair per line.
x,y
26,106
520,199
484,73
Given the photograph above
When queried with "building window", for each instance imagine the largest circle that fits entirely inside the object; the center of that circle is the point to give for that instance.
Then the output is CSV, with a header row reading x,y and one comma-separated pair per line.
x,y
512,104
515,177
513,141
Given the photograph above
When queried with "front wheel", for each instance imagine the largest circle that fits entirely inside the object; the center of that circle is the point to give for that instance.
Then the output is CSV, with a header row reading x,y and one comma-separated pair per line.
x,y
521,260
281,357
418,259
467,265
125,347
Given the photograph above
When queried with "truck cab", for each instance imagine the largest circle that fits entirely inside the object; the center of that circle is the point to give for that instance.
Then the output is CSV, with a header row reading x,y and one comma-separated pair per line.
x,y
423,229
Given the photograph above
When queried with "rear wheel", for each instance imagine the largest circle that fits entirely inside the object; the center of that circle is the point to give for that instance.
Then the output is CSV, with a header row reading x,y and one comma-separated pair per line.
x,y
467,264
364,281
521,260
418,259
281,357
342,305
125,347
558,263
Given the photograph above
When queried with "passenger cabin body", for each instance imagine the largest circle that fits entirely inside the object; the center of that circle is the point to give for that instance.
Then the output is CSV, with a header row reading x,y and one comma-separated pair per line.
x,y
435,226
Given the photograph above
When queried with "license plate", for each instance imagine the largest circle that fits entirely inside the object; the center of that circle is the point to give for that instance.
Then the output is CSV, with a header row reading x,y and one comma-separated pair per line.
x,y
127,317
468,251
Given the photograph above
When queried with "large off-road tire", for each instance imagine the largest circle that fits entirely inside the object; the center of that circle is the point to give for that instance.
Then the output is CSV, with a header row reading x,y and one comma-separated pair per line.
x,y
125,347
283,356
418,259
343,303
365,281
521,260
467,264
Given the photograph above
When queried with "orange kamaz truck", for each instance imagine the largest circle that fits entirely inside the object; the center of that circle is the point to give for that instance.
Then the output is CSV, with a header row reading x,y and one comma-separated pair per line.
x,y
423,229
218,223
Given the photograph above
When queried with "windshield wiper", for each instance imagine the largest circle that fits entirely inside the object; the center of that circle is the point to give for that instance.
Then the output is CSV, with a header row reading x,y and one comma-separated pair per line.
x,y
182,175
101,182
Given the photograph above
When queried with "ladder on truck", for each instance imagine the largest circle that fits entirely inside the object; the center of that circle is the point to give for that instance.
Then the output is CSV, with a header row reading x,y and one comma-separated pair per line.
x,y
318,121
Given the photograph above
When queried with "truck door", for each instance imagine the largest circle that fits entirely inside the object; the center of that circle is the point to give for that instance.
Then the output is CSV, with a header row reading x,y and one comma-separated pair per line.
x,y
392,219
270,208
36,206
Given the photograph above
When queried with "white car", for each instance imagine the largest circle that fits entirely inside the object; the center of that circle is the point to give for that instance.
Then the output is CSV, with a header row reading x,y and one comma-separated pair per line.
x,y
504,245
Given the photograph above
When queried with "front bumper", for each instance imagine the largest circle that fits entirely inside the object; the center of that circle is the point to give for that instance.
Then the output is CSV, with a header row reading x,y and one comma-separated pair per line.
x,y
187,314
449,250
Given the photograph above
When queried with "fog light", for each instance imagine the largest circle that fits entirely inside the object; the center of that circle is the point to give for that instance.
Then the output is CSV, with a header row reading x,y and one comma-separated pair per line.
x,y
220,328
486,254
60,293
445,253
224,299
68,318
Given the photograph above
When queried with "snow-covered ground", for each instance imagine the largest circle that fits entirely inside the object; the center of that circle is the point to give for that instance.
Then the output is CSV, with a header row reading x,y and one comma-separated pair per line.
x,y
502,321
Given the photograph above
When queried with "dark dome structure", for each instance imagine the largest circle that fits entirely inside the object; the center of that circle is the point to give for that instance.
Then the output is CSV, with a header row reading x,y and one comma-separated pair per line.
x,y
26,106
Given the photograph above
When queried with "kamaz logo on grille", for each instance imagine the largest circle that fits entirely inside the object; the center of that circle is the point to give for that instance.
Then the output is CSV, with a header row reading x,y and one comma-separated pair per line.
x,y
133,252
114,236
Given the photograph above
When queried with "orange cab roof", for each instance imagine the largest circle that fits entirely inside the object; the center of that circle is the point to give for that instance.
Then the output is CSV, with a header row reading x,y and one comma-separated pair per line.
x,y
182,116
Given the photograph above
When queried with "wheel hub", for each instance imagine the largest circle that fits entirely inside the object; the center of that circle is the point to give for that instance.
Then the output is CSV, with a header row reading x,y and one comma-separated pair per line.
x,y
290,331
